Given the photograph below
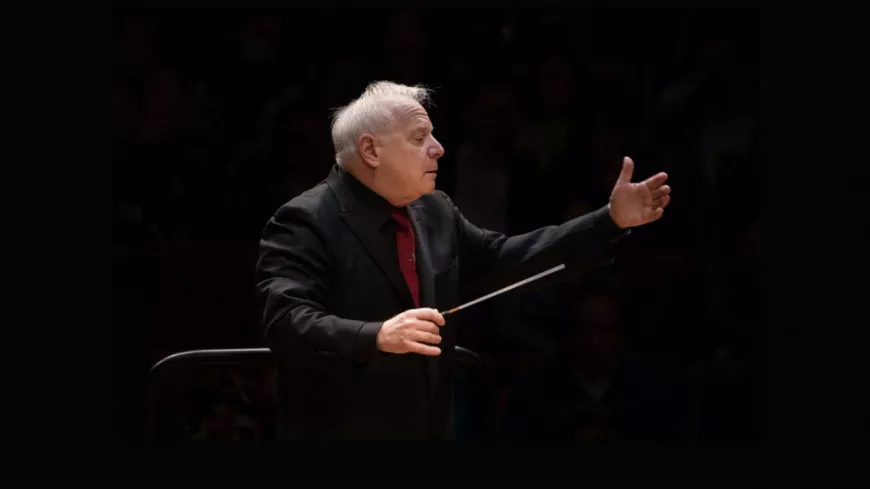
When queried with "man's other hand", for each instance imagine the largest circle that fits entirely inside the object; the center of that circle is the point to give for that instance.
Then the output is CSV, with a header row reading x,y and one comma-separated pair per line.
x,y
635,204
413,331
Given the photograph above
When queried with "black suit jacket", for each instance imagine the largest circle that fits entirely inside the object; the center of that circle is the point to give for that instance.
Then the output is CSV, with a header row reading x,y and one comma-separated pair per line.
x,y
328,278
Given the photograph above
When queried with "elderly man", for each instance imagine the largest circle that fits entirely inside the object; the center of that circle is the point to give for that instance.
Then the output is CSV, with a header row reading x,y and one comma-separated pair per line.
x,y
352,274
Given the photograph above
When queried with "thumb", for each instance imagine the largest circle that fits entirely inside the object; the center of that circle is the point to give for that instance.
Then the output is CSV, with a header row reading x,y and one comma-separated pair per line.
x,y
627,170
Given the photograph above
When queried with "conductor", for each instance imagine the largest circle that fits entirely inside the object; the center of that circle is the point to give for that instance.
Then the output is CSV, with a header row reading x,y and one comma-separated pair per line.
x,y
352,273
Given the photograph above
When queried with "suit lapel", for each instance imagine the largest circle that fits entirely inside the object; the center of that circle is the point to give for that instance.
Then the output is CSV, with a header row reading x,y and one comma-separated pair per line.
x,y
424,262
372,242
365,222
427,285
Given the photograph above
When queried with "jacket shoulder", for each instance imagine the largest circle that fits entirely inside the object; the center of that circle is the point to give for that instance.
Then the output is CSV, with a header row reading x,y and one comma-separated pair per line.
x,y
441,215
315,203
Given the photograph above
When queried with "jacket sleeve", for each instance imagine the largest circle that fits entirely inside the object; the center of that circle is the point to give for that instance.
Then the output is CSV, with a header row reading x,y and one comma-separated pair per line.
x,y
292,287
491,259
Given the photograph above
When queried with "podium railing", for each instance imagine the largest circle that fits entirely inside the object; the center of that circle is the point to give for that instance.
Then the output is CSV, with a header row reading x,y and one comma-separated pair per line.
x,y
469,362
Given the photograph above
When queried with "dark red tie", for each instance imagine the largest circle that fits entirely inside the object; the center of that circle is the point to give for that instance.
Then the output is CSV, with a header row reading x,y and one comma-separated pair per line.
x,y
407,257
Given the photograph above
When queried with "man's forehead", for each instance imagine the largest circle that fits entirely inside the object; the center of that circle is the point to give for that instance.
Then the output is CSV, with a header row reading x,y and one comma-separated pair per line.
x,y
416,122
421,122
416,114
405,106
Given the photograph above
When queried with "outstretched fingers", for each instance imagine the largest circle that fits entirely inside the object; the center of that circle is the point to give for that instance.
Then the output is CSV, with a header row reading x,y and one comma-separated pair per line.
x,y
659,193
656,214
656,181
661,202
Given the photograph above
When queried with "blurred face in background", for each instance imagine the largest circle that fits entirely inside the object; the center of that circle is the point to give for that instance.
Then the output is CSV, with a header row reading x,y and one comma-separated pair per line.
x,y
261,37
556,85
405,34
135,44
598,339
494,120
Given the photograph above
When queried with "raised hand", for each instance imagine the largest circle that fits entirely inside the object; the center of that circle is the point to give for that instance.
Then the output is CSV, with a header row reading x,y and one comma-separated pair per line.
x,y
635,204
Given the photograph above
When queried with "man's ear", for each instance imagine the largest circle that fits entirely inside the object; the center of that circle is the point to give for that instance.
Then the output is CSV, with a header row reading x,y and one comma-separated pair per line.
x,y
368,150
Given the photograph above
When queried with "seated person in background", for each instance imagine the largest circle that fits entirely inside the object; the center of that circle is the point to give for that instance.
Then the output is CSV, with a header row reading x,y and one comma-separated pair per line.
x,y
599,388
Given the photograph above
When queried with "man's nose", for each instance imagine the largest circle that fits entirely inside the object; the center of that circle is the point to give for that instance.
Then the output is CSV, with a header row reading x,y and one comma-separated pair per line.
x,y
436,151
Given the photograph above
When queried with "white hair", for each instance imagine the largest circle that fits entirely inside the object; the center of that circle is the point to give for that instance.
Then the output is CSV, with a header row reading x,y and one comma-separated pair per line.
x,y
372,112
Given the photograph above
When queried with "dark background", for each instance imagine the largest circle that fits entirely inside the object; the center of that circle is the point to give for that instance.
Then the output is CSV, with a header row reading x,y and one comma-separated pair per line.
x,y
218,118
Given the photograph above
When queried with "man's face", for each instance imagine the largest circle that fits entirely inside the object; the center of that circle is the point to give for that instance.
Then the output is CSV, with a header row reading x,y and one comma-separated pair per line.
x,y
408,155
